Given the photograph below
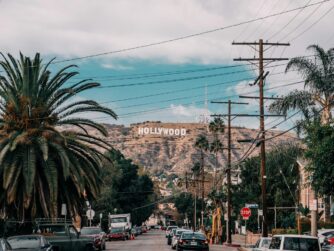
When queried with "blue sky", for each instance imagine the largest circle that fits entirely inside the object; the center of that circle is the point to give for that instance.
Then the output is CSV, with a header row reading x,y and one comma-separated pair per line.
x,y
70,29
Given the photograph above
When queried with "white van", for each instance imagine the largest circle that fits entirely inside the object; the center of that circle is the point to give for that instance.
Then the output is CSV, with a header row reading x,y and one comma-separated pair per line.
x,y
294,242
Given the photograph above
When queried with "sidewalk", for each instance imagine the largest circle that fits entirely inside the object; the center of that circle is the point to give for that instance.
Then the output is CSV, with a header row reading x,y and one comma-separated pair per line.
x,y
237,241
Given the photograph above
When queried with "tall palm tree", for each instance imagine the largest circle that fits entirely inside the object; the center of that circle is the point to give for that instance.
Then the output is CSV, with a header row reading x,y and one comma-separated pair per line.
x,y
202,144
318,73
216,127
47,155
318,94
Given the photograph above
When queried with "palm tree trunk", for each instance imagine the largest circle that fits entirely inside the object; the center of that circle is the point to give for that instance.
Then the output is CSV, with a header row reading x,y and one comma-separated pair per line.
x,y
326,115
327,209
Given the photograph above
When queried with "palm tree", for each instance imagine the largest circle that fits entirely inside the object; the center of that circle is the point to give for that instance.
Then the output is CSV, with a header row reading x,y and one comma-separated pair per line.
x,y
318,94
318,73
202,144
47,155
215,127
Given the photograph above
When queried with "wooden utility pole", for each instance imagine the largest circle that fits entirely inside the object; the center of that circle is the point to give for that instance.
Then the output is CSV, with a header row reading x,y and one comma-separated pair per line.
x,y
229,160
261,59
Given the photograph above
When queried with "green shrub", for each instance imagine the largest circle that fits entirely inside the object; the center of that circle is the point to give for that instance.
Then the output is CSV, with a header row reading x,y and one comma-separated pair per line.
x,y
284,231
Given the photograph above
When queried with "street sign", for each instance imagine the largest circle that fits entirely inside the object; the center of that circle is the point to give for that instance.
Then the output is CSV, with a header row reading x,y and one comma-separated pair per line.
x,y
90,214
260,212
245,213
252,205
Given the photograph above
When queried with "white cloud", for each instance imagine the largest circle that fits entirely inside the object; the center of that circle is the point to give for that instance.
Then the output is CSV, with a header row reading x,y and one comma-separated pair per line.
x,y
83,27
115,66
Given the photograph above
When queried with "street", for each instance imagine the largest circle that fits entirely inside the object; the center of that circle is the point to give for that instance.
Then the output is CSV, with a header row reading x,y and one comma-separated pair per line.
x,y
153,240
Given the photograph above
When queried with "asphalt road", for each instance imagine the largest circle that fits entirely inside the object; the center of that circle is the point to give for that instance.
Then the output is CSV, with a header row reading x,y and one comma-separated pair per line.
x,y
154,240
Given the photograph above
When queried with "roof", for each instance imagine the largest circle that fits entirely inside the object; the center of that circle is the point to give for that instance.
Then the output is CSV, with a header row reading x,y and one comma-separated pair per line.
x,y
296,236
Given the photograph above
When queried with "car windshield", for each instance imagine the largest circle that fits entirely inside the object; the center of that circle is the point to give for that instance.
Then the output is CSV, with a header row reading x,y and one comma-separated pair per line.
x,y
266,242
24,242
179,232
328,233
197,236
118,220
116,230
89,231
275,243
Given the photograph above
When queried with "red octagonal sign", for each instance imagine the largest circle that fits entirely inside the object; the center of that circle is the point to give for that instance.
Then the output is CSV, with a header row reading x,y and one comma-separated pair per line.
x,y
245,212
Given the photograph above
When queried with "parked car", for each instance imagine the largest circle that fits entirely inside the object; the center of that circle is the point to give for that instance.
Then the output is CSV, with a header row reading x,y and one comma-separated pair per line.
x,y
176,236
4,246
169,229
64,237
117,233
29,243
262,244
139,230
329,240
294,242
327,247
323,234
144,229
98,236
192,240
170,236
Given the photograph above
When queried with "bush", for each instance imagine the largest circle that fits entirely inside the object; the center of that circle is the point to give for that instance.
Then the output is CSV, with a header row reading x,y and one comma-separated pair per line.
x,y
306,225
284,231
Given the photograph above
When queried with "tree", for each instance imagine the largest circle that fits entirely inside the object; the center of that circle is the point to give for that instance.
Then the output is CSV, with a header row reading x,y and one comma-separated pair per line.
x,y
202,144
41,164
320,152
184,204
318,94
318,73
282,184
125,190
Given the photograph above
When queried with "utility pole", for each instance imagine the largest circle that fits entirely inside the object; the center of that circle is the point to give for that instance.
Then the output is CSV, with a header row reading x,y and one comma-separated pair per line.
x,y
228,171
261,59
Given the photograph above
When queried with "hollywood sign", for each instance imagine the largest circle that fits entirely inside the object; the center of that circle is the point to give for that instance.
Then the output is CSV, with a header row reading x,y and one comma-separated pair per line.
x,y
162,131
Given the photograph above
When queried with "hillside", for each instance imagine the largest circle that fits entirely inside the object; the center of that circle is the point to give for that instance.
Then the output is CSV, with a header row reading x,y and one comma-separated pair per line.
x,y
168,147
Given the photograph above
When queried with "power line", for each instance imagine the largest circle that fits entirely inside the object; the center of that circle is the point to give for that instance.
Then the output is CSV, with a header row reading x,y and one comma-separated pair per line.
x,y
289,22
198,102
188,36
316,22
169,100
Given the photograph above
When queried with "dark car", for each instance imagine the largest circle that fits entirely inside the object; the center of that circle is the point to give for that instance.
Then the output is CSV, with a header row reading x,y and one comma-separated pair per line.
x,y
97,234
4,246
139,230
29,243
117,233
193,241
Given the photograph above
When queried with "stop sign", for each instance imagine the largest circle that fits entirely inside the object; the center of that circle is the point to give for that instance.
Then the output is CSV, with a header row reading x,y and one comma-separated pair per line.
x,y
245,213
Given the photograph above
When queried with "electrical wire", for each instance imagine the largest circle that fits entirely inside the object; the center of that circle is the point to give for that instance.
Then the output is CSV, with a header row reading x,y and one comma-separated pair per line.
x,y
289,22
188,36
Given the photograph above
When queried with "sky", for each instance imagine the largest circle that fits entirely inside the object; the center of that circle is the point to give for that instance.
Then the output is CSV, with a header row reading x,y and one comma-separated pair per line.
x,y
171,81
